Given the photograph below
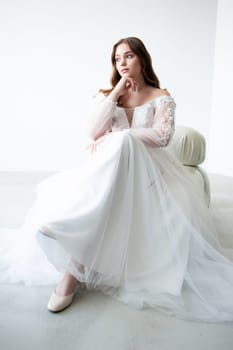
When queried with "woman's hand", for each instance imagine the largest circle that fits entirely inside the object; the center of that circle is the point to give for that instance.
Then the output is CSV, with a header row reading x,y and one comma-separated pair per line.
x,y
92,147
123,87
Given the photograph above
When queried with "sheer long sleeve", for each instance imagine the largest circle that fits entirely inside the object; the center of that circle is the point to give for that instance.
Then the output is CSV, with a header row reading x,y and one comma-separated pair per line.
x,y
163,124
100,116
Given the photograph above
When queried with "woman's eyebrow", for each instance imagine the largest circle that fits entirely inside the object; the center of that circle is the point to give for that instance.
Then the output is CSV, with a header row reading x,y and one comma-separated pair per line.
x,y
125,53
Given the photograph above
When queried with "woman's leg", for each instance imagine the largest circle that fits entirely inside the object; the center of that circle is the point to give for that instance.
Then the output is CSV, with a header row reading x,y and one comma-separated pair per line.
x,y
63,295
67,285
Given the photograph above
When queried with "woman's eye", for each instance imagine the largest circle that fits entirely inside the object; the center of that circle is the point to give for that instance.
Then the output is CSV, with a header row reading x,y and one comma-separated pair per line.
x,y
118,59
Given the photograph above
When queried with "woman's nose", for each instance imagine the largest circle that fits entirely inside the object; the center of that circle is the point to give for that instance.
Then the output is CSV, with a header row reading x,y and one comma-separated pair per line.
x,y
123,62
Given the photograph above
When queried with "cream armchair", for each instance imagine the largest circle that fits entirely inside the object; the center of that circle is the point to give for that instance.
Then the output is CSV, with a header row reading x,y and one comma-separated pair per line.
x,y
189,147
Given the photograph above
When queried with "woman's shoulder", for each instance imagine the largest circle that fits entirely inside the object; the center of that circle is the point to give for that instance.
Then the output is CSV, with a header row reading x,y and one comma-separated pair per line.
x,y
159,96
98,96
162,97
156,92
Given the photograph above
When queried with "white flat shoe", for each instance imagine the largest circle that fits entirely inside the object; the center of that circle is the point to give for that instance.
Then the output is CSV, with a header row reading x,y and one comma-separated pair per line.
x,y
46,231
58,303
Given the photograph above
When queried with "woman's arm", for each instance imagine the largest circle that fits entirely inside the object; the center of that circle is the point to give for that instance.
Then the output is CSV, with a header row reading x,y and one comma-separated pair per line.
x,y
161,132
101,112
100,116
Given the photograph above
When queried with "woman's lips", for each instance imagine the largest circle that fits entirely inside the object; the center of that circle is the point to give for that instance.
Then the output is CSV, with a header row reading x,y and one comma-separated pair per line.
x,y
124,70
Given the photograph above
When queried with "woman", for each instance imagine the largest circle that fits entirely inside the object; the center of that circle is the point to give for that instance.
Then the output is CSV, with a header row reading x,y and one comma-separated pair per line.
x,y
129,222
134,84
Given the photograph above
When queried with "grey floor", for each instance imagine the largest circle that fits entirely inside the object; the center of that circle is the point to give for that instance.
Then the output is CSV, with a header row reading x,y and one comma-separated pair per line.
x,y
94,321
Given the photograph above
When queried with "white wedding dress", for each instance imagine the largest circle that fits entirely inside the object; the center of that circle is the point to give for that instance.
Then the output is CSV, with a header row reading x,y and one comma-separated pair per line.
x,y
128,221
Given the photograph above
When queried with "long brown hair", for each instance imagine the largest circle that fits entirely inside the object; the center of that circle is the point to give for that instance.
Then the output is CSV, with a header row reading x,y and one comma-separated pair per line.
x,y
137,46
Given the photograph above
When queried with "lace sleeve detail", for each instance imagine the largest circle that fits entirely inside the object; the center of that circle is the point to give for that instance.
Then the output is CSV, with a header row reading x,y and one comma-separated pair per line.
x,y
100,116
163,127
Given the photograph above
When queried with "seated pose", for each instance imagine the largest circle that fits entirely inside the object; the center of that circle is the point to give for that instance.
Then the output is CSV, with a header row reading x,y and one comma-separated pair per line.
x,y
128,221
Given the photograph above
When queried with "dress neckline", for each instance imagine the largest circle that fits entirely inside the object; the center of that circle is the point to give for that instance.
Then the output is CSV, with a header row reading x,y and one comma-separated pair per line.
x,y
146,103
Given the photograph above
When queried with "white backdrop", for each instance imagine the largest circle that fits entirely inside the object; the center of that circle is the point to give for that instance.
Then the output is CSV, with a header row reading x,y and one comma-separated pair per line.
x,y
220,158
55,54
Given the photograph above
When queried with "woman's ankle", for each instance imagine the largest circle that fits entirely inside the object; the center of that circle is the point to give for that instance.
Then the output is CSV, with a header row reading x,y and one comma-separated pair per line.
x,y
67,285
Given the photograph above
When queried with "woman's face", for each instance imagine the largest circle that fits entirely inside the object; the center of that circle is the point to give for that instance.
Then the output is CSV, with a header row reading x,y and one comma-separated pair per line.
x,y
127,62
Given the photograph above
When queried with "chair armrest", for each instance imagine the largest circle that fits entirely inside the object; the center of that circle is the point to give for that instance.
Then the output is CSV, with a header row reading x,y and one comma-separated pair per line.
x,y
188,145
189,148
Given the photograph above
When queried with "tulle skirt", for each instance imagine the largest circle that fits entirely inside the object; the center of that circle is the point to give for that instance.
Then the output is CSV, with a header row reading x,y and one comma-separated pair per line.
x,y
127,221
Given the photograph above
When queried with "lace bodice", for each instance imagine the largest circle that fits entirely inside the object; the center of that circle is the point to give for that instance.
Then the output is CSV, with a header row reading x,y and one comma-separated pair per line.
x,y
152,122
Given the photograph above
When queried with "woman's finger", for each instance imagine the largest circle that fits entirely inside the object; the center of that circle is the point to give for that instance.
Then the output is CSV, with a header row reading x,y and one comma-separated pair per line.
x,y
131,83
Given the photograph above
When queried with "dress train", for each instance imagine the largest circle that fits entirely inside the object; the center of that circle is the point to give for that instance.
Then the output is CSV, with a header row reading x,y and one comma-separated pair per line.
x,y
131,223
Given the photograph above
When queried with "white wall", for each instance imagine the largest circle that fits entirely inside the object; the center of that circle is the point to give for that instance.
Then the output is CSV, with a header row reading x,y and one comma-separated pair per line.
x,y
220,158
55,54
